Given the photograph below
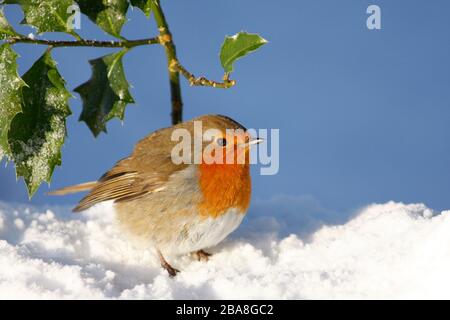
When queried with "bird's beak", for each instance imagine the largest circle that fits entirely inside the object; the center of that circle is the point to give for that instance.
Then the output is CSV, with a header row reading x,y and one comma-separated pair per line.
x,y
251,142
255,141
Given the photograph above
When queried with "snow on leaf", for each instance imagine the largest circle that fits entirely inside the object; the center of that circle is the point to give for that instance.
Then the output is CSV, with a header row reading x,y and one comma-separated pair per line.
x,y
10,95
46,15
37,134
238,46
106,94
144,5
5,28
110,15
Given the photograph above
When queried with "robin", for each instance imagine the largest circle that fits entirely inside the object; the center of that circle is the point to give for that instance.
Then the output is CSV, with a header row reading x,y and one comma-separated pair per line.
x,y
179,208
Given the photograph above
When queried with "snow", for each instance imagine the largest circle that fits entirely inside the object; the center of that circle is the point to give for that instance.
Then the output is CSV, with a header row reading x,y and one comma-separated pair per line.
x,y
390,250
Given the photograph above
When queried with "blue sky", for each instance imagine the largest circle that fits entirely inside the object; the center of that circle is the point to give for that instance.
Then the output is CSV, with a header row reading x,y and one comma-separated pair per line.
x,y
363,115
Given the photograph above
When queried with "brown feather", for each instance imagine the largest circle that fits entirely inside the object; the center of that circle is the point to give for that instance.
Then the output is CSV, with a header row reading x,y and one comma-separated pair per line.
x,y
73,189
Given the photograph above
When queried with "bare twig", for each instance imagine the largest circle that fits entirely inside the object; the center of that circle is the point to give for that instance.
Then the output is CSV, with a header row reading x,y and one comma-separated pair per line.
x,y
85,43
201,81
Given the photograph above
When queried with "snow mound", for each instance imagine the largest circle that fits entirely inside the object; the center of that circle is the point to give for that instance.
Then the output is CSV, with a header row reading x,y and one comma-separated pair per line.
x,y
390,250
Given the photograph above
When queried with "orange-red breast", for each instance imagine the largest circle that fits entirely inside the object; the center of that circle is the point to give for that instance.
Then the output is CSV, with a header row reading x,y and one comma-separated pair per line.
x,y
178,208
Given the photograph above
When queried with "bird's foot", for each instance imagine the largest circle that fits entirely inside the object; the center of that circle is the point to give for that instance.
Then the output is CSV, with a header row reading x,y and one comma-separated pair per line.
x,y
170,270
203,255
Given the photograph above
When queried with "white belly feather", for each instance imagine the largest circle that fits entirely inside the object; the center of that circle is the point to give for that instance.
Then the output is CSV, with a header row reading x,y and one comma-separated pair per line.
x,y
205,233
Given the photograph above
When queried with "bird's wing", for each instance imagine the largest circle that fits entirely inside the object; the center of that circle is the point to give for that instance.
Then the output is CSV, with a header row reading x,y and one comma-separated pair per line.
x,y
145,171
130,179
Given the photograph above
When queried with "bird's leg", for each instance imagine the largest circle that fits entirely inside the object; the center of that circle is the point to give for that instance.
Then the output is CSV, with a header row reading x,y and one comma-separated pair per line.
x,y
203,255
171,270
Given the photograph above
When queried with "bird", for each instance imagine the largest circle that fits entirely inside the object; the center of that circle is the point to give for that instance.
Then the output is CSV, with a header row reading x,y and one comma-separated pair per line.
x,y
179,207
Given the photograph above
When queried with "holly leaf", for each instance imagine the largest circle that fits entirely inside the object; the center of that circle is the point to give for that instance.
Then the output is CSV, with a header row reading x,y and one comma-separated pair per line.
x,y
37,134
110,15
144,5
10,95
238,46
6,30
106,94
46,15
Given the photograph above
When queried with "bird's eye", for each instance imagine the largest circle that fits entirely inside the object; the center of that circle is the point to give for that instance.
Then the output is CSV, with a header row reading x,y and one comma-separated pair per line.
x,y
222,142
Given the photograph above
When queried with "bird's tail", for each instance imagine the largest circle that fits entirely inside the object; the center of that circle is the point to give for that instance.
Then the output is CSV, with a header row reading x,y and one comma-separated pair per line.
x,y
74,189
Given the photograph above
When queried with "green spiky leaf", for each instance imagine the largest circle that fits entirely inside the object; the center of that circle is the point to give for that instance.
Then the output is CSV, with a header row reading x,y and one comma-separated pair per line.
x,y
6,30
110,15
37,134
106,94
238,46
46,15
144,5
10,95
